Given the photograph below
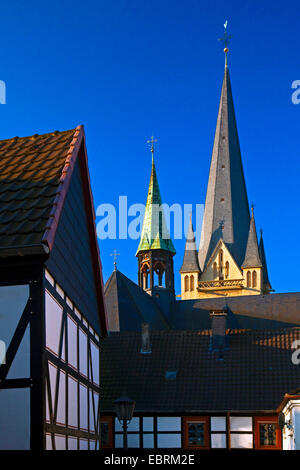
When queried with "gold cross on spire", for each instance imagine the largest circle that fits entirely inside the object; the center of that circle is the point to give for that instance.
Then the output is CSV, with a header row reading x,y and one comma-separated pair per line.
x,y
225,39
115,255
152,141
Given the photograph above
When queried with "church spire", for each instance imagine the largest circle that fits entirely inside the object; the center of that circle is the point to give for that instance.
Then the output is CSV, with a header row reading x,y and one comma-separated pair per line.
x,y
155,234
155,251
190,259
226,201
266,282
252,258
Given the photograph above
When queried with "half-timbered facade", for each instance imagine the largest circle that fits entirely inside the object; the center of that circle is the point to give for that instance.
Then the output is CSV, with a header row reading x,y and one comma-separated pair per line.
x,y
52,311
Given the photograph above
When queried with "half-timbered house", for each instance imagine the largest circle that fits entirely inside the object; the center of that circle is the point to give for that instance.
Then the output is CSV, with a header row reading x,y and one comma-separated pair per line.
x,y
52,311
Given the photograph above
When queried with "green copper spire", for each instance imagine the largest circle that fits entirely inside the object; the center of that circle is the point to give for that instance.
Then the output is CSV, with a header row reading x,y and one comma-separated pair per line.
x,y
155,235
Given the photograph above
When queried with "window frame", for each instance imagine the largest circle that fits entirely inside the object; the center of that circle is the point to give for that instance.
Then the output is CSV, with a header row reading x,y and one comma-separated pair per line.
x,y
109,421
267,420
185,432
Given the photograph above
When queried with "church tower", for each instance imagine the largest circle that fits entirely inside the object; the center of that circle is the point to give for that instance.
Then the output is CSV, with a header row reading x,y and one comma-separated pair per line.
x,y
230,260
155,251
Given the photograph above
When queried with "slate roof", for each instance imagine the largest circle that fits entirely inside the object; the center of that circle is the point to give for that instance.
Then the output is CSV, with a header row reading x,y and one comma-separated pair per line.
x,y
190,259
32,174
155,235
226,203
252,258
128,305
250,311
255,374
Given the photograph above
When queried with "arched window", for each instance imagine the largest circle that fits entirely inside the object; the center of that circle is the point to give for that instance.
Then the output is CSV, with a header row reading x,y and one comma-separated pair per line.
x,y
248,279
215,269
221,264
254,279
191,283
186,283
226,269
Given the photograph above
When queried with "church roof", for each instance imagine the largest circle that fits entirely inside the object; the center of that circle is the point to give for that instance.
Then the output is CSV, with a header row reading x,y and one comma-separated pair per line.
x,y
190,259
226,206
128,305
155,235
252,258
261,248
255,373
250,311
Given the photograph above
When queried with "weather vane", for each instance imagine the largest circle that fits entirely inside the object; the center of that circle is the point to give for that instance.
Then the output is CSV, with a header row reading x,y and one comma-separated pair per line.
x,y
226,39
152,141
115,255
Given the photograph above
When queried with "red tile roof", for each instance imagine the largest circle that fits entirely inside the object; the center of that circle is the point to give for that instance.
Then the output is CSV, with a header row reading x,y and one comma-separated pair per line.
x,y
35,173
33,183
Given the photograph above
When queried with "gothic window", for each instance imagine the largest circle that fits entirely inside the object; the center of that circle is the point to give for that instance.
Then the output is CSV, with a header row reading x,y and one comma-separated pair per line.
x,y
145,273
254,279
186,283
192,283
227,269
248,279
221,264
215,269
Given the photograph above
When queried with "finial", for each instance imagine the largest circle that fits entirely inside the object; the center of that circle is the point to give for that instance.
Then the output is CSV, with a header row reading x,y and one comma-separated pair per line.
x,y
226,39
252,210
152,141
115,255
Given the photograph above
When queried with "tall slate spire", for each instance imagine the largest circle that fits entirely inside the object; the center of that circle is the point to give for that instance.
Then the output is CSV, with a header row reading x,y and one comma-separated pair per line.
x,y
252,258
226,211
261,248
154,235
190,259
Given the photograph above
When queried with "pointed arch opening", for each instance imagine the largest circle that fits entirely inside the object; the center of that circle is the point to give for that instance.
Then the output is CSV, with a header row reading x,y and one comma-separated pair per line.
x,y
192,283
186,283
248,279
227,269
254,279
145,275
221,271
215,270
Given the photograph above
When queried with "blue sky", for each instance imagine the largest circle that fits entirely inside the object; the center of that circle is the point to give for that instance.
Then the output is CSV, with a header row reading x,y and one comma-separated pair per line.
x,y
129,68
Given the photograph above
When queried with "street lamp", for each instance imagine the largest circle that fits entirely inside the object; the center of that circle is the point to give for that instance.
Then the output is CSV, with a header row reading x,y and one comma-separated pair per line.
x,y
124,407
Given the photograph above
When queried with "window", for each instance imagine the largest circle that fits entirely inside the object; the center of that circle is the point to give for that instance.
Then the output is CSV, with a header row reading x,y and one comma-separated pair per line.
x,y
227,269
241,432
133,435
218,432
254,279
54,315
267,433
196,434
186,283
248,279
192,283
215,269
106,441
